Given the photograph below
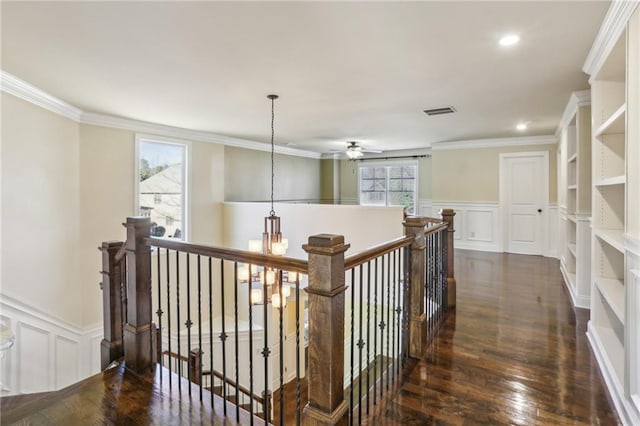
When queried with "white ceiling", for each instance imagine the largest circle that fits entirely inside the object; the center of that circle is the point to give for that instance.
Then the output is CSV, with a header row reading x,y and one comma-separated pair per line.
x,y
344,71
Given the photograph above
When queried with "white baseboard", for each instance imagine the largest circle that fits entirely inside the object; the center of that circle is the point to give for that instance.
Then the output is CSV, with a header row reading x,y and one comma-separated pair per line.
x,y
578,301
48,353
623,406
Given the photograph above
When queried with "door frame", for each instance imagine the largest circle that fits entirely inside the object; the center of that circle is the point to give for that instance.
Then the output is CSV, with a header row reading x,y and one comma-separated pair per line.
x,y
503,191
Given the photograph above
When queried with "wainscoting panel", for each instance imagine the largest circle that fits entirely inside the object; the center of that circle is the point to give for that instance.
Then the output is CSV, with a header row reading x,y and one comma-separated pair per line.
x,y
48,353
477,225
33,348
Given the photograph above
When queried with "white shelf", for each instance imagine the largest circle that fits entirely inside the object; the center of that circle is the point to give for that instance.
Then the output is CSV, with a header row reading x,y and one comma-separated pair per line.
x,y
614,180
572,249
614,124
572,187
613,348
613,292
572,218
573,158
613,237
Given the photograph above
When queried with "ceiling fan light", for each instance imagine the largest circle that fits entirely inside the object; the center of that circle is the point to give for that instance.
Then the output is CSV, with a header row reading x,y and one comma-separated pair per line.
x,y
353,153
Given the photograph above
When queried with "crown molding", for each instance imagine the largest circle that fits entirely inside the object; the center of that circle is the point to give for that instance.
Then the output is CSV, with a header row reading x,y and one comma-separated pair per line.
x,y
187,134
25,91
613,25
494,143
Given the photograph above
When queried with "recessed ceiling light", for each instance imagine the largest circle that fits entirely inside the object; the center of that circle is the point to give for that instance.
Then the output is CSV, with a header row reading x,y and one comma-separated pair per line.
x,y
509,40
522,127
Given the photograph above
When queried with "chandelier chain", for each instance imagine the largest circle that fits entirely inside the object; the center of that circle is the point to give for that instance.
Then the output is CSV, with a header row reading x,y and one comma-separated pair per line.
x,y
272,212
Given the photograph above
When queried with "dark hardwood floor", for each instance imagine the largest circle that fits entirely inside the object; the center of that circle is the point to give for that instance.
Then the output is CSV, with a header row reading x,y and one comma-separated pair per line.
x,y
514,352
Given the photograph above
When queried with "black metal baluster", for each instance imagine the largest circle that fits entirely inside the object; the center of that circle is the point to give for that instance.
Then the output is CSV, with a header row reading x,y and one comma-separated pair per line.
x,y
223,339
298,349
353,342
375,329
394,312
250,340
388,310
200,326
235,342
159,313
188,323
281,331
266,351
178,319
168,314
360,345
368,331
211,377
445,265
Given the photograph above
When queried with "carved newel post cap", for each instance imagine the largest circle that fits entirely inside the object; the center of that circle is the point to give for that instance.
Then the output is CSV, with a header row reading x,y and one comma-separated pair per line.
x,y
138,220
415,221
326,244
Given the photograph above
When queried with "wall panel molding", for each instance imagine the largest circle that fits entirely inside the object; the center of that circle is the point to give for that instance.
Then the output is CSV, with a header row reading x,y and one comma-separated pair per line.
x,y
48,353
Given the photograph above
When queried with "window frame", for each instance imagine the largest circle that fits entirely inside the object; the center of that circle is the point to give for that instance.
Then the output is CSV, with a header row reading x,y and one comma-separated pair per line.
x,y
387,165
186,177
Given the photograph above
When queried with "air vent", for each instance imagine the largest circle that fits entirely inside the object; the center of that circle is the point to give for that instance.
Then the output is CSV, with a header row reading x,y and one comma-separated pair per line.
x,y
440,110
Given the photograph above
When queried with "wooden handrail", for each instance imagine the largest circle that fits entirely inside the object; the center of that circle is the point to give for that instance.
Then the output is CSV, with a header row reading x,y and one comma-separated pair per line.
x,y
433,229
219,375
376,251
234,255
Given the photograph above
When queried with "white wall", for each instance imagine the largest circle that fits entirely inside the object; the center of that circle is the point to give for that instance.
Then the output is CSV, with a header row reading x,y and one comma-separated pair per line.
x,y
362,226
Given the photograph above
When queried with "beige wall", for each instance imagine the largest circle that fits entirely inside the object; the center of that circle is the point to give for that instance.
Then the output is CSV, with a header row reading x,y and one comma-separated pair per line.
x,y
471,175
327,167
66,187
107,196
248,176
348,181
40,210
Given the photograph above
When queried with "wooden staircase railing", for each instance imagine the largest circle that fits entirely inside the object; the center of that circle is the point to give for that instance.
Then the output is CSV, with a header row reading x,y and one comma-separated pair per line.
x,y
423,257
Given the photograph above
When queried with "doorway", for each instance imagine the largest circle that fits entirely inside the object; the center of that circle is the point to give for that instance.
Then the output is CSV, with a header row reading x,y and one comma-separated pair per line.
x,y
524,197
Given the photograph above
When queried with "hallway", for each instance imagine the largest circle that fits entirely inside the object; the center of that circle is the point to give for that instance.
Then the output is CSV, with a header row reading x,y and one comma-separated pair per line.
x,y
514,353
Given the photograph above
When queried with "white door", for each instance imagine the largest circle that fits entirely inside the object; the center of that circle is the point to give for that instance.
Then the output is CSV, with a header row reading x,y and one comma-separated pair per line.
x,y
524,193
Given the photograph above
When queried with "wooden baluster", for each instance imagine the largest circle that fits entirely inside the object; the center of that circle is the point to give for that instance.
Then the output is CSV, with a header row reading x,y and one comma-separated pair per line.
x,y
326,405
195,365
414,226
447,216
137,331
111,346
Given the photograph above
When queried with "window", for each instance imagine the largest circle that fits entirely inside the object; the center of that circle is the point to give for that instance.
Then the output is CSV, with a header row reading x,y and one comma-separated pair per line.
x,y
389,185
162,185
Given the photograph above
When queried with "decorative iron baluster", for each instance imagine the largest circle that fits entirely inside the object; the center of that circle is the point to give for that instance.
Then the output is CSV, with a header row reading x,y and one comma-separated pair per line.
x,y
281,331
223,339
250,337
189,323
178,317
200,324
375,329
353,343
360,345
235,340
211,333
168,310
298,349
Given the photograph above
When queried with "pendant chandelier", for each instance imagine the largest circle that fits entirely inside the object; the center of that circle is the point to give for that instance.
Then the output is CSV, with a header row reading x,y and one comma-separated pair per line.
x,y
271,243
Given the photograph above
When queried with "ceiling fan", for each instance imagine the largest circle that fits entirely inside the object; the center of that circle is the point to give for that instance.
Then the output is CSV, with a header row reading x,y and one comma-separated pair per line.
x,y
355,151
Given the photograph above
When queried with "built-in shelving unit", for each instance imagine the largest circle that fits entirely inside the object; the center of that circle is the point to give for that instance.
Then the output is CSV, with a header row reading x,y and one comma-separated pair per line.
x,y
575,241
614,328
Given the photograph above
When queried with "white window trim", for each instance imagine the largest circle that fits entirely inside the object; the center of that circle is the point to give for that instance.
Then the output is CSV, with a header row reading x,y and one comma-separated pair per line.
x,y
186,176
386,163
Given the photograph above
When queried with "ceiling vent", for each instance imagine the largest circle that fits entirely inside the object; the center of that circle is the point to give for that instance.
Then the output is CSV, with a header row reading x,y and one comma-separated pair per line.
x,y
440,110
